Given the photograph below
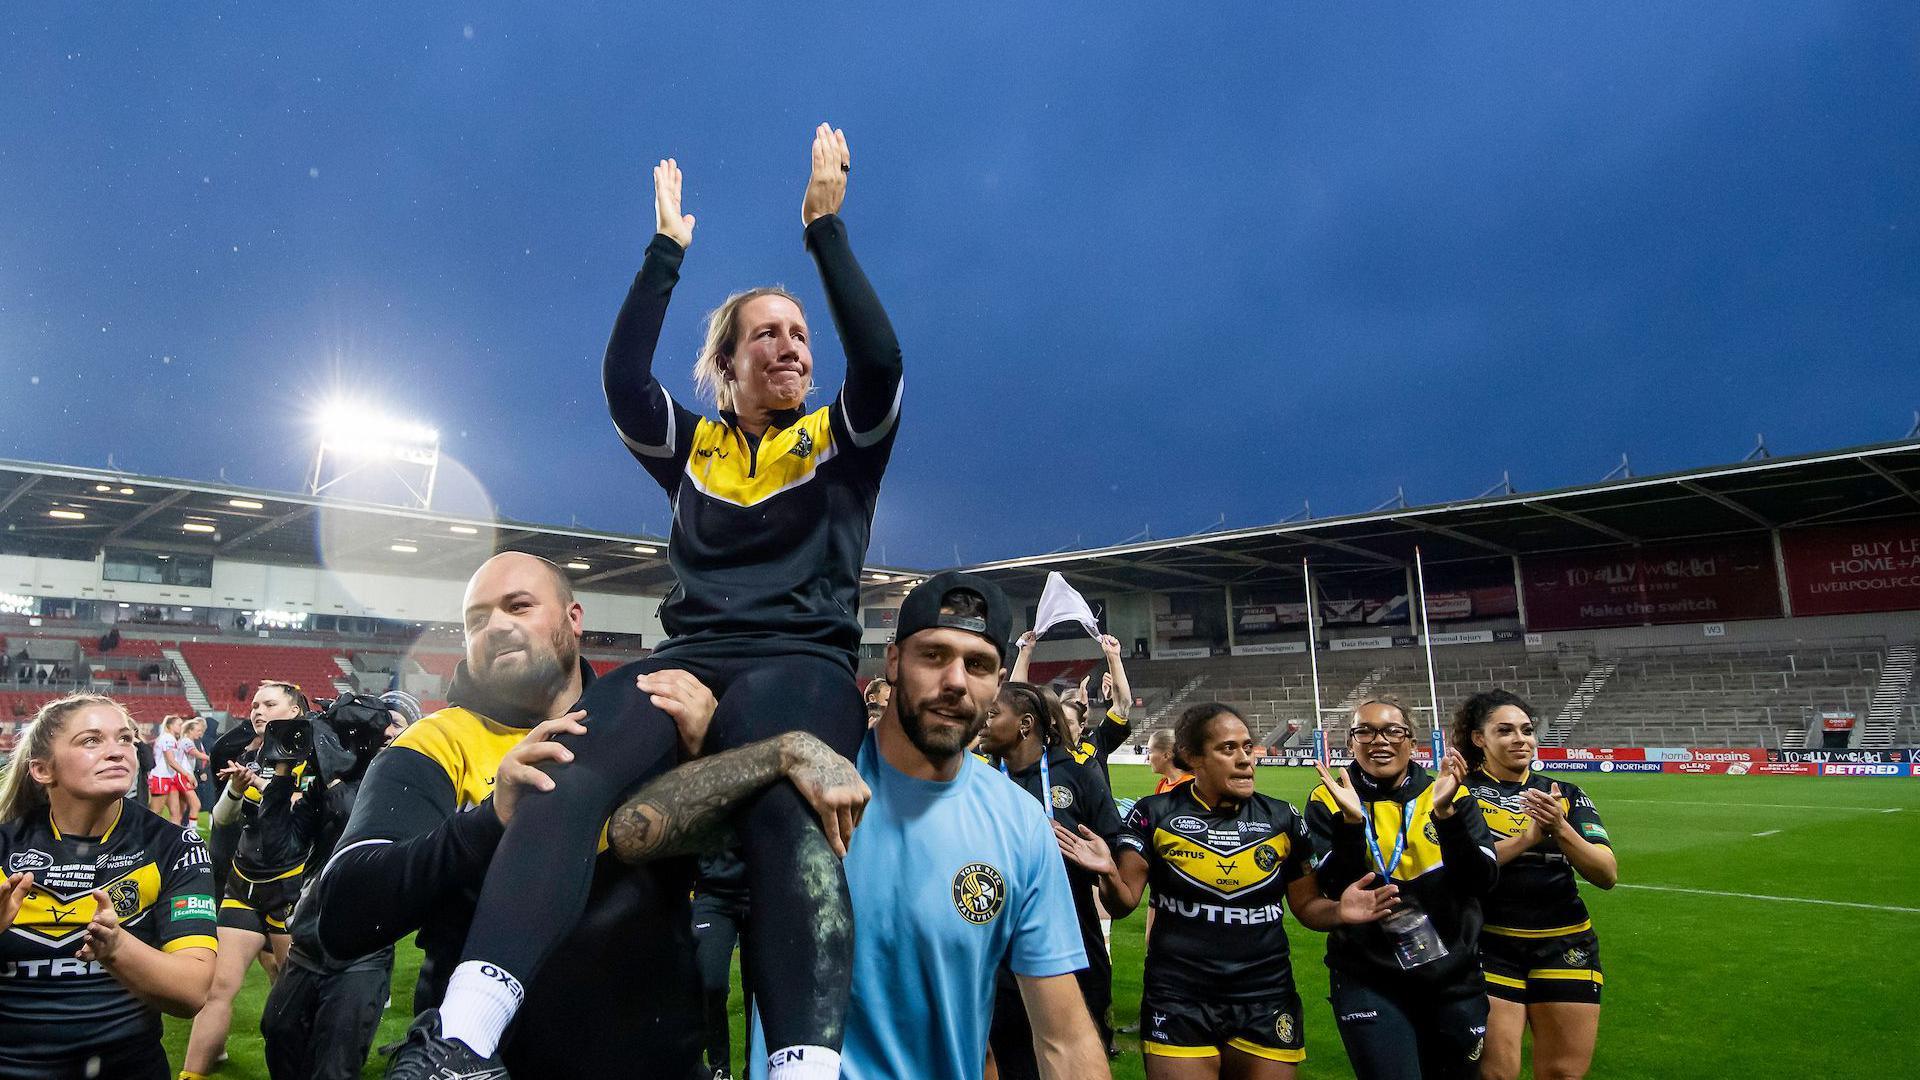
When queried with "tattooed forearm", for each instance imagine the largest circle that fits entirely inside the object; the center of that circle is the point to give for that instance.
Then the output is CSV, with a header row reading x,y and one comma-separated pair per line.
x,y
686,809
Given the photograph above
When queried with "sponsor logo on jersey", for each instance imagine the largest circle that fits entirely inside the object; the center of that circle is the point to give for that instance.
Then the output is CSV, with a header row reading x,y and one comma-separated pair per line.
x,y
191,835
193,907
1283,1029
1593,831
979,892
1262,827
28,860
1479,1047
1187,823
1062,796
125,897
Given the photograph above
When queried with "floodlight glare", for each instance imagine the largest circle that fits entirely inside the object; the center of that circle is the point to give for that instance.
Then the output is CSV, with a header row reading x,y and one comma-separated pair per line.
x,y
197,527
644,550
463,530
67,515
408,450
246,504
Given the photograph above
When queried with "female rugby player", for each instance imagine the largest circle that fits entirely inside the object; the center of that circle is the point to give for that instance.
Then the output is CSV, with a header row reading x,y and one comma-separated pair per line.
x,y
196,761
107,918
262,884
1026,737
1407,993
1160,760
1219,999
772,510
1539,949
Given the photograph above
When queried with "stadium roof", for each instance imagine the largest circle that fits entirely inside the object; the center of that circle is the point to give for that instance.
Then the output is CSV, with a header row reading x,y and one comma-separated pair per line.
x,y
1825,488
68,511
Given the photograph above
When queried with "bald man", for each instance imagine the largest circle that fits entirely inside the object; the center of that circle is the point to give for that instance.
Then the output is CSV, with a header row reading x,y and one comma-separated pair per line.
x,y
621,997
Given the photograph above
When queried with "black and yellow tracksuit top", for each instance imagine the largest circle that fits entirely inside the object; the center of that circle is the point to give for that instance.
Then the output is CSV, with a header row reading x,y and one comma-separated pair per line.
x,y
1448,867
770,533
55,1006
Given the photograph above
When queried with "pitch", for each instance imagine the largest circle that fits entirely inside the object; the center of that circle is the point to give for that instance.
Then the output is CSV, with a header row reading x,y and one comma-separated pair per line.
x,y
1718,960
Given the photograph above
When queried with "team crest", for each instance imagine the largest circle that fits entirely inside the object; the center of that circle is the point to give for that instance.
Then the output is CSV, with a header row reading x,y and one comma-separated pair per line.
x,y
1479,1046
1432,834
125,896
1283,1029
803,447
979,892
1266,859
1576,957
1062,797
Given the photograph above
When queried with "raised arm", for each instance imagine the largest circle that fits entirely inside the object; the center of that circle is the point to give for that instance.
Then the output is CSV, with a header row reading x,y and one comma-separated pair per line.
x,y
1023,657
1122,700
687,809
651,424
871,395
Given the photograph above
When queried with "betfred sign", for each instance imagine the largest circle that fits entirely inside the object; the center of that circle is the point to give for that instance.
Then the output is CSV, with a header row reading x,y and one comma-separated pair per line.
x,y
1698,582
1854,768
1841,569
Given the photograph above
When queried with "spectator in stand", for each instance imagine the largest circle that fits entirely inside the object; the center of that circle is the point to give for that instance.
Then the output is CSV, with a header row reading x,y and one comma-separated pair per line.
x,y
110,640
1539,949
1160,759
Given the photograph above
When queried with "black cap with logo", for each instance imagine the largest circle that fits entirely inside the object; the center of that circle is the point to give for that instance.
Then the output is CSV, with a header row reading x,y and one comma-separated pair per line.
x,y
921,609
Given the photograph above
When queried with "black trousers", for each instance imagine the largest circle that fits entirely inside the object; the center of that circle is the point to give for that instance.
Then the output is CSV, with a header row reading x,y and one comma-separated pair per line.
x,y
1410,1034
716,930
133,1059
321,1026
799,931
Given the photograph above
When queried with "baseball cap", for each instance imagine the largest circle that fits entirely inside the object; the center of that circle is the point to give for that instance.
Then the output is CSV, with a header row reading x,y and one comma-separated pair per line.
x,y
921,609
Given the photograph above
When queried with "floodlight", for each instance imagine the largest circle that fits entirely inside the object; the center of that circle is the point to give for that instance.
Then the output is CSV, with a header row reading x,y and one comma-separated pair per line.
x,y
578,566
463,530
642,549
246,504
197,527
67,515
406,450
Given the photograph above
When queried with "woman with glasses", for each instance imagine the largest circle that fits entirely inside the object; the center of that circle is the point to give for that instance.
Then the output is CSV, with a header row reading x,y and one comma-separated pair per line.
x,y
1407,992
1539,949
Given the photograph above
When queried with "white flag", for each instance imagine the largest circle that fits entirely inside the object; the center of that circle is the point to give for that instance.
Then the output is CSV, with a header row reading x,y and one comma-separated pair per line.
x,y
1059,604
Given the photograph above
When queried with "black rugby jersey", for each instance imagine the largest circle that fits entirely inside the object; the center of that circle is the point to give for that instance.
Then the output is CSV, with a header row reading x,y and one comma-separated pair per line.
x,y
1078,796
159,879
277,830
1218,882
1537,895
770,533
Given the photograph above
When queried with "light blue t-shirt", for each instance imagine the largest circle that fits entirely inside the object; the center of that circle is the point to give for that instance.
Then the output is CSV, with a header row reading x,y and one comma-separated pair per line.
x,y
948,879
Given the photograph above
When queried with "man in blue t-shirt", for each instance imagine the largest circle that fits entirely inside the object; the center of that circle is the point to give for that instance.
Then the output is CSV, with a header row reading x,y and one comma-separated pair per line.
x,y
954,868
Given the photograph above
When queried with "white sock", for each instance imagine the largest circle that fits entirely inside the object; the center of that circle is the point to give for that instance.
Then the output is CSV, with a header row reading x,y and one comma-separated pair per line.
x,y
481,1000
1106,935
803,1063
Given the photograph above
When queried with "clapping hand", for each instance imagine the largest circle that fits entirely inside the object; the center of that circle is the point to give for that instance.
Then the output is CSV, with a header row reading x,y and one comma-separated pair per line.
x,y
102,936
1452,775
827,185
1342,791
672,224
1544,810
1361,903
13,893
1084,849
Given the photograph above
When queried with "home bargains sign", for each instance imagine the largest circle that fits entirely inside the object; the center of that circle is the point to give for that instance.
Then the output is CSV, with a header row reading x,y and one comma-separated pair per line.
x,y
1840,569
1712,581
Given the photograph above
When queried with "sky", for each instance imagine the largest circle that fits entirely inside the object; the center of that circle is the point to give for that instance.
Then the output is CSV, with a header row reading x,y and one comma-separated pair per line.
x,y
1153,267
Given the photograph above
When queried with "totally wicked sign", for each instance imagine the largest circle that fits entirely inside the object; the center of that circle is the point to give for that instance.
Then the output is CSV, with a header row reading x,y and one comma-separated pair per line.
x,y
1729,578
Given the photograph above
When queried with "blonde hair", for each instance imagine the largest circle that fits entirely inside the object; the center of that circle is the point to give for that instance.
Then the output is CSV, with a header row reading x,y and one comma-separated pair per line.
x,y
723,335
20,793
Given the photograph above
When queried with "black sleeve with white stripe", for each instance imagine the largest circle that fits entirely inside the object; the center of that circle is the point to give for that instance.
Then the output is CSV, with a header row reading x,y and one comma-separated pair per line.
x,y
870,399
406,851
656,429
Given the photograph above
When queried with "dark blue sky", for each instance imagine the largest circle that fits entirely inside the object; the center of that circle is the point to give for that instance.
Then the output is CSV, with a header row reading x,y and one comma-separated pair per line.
x,y
1150,263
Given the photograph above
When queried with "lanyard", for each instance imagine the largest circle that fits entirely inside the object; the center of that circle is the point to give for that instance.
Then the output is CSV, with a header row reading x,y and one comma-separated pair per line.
x,y
1046,782
1399,845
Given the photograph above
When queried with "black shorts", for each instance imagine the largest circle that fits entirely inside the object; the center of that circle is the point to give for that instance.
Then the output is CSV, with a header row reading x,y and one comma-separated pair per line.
x,y
260,906
1273,1027
132,1059
1537,970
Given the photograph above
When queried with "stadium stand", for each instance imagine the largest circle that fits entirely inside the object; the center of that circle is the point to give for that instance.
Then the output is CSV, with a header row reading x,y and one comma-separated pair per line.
x,y
222,667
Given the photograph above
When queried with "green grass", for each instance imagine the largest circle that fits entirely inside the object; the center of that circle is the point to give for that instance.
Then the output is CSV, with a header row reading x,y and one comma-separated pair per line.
x,y
1697,985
